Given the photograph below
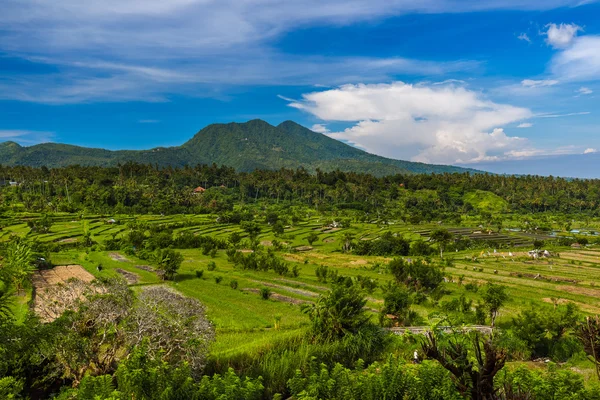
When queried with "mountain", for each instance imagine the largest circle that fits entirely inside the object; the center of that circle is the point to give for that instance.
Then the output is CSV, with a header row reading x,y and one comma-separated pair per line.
x,y
243,146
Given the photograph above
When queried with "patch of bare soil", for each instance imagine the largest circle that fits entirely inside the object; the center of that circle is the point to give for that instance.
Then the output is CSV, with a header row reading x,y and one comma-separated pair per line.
x,y
60,274
117,257
266,243
246,251
304,248
580,290
279,297
328,240
68,240
46,288
359,262
130,277
145,268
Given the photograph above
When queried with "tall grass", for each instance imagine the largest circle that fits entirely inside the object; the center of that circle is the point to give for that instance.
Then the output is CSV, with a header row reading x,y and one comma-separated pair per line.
x,y
278,360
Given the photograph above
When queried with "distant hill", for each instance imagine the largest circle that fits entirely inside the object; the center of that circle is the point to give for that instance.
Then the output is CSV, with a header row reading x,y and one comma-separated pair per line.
x,y
243,146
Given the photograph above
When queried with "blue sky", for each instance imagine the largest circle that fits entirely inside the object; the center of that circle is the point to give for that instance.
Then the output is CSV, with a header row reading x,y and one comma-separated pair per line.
x,y
457,82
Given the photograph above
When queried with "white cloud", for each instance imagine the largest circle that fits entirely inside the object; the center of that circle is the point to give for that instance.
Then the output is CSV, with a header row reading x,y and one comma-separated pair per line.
x,y
320,128
144,50
589,151
531,83
92,81
562,115
525,125
584,90
561,36
442,124
25,136
579,62
525,37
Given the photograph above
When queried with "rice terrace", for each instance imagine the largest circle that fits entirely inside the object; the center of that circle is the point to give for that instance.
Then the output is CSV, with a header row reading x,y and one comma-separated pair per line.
x,y
274,278
300,200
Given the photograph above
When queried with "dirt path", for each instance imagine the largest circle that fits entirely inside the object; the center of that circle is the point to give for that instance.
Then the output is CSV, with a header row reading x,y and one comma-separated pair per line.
x,y
117,257
130,277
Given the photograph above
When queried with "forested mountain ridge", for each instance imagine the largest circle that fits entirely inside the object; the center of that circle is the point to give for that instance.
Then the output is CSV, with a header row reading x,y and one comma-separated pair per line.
x,y
243,146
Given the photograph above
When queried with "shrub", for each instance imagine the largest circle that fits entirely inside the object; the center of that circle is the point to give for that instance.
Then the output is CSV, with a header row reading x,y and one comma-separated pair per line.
x,y
212,266
321,273
233,284
471,287
199,273
265,293
218,279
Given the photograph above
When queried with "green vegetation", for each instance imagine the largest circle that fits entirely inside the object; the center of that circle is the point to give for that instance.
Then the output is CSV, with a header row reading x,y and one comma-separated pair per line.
x,y
122,283
243,146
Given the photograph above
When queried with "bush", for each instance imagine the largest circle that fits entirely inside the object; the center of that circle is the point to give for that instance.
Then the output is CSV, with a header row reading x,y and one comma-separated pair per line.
x,y
265,293
296,271
321,273
218,279
233,284
212,266
471,287
199,273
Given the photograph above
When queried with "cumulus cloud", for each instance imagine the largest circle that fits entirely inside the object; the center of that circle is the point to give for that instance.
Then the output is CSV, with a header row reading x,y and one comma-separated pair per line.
x,y
523,36
579,62
561,36
441,124
584,90
532,83
525,125
590,150
320,128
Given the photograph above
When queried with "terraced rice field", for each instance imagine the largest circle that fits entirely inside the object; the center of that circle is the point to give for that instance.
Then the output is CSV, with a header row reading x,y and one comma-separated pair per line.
x,y
571,276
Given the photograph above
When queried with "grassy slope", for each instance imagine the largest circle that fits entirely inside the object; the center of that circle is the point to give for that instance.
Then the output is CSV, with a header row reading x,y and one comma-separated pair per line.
x,y
486,201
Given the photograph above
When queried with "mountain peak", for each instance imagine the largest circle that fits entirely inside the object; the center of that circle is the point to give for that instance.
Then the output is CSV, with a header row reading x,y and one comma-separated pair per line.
x,y
245,146
10,143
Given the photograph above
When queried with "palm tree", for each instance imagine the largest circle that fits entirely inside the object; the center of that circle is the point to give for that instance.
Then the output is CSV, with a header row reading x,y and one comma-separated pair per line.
x,y
17,266
5,300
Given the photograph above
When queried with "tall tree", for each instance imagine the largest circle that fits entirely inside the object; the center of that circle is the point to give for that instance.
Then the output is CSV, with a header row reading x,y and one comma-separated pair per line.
x,y
17,265
442,237
494,297
589,334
